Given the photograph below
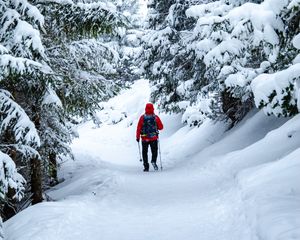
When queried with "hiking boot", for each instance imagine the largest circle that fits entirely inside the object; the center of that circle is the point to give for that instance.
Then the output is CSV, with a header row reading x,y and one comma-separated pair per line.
x,y
146,167
154,166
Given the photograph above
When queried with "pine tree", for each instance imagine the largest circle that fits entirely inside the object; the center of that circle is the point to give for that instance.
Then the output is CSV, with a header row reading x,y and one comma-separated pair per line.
x,y
167,61
278,93
157,13
19,137
84,63
216,57
53,69
21,54
11,182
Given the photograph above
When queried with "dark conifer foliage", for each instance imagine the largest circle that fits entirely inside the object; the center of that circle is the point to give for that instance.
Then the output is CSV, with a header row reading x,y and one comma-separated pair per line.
x,y
57,62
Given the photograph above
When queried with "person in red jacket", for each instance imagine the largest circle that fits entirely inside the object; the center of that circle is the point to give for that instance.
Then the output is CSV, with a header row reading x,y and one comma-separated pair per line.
x,y
148,126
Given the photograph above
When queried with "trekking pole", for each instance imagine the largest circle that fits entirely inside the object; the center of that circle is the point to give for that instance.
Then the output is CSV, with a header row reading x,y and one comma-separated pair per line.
x,y
161,167
140,151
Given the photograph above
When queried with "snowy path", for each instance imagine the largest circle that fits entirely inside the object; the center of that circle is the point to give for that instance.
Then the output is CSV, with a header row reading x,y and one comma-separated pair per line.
x,y
173,204
106,196
178,203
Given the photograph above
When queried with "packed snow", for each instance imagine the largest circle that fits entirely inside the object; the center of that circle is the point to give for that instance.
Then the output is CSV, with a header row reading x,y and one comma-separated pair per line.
x,y
216,184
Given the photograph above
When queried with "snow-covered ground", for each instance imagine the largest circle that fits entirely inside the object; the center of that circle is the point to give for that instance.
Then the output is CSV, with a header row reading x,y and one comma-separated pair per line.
x,y
241,184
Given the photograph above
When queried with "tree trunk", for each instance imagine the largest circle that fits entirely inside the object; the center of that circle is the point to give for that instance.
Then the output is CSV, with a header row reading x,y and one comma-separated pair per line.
x,y
234,108
53,169
36,168
36,180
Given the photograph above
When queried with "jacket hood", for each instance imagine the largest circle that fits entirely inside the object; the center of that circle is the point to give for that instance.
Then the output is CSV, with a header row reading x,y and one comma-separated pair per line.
x,y
149,109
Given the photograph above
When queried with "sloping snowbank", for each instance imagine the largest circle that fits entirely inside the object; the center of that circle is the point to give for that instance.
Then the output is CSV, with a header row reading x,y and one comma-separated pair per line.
x,y
262,153
272,196
272,190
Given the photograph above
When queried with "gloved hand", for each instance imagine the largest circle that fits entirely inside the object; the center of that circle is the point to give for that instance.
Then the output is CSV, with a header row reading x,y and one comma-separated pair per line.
x,y
138,140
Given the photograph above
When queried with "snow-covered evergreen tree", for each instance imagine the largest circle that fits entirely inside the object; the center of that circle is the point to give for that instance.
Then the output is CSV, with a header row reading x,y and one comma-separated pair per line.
x,y
22,62
278,92
54,68
166,59
129,45
84,62
242,42
82,55
18,137
10,181
130,9
20,36
157,12
216,59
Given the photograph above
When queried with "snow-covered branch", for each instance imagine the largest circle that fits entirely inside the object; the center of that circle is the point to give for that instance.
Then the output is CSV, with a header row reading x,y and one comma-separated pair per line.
x,y
13,117
9,178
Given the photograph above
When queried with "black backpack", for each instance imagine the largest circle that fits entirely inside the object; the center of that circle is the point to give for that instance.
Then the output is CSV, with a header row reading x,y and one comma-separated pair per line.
x,y
149,128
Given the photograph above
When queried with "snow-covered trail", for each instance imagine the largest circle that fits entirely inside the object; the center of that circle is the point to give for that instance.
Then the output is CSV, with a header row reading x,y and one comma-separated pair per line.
x,y
168,207
178,203
216,184
106,195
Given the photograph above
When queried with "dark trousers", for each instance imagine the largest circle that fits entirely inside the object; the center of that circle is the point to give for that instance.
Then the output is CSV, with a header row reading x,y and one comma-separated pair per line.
x,y
153,146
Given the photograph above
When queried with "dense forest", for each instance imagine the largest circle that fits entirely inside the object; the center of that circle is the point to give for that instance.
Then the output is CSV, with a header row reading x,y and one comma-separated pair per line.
x,y
203,59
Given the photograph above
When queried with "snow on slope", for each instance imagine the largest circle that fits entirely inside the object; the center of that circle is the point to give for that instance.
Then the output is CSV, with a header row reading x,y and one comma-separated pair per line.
x,y
272,194
216,184
265,162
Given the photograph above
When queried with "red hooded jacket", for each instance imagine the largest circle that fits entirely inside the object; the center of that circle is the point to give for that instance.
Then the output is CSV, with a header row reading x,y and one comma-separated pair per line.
x,y
149,110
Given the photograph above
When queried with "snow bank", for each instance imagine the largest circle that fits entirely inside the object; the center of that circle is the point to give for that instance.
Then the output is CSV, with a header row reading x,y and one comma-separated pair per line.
x,y
263,154
187,141
274,145
272,194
